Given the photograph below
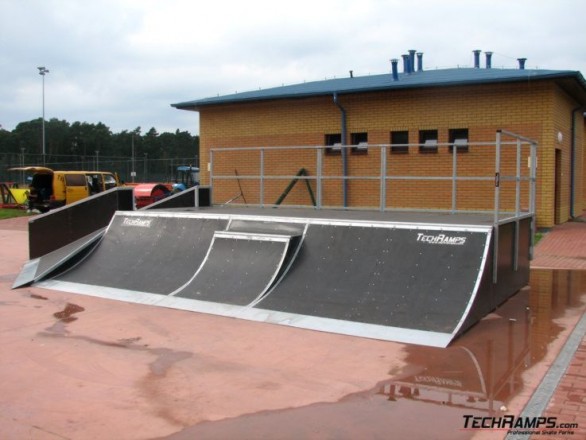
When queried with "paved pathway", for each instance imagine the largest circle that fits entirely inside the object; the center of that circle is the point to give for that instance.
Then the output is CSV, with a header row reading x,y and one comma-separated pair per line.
x,y
565,248
562,248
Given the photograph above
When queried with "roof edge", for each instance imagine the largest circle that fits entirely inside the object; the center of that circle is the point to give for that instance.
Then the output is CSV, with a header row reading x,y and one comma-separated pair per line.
x,y
265,95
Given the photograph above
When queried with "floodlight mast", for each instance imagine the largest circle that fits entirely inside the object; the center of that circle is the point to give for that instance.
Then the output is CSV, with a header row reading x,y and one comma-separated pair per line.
x,y
43,71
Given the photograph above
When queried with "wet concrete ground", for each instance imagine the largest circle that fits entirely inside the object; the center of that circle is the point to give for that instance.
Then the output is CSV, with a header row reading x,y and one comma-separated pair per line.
x,y
80,367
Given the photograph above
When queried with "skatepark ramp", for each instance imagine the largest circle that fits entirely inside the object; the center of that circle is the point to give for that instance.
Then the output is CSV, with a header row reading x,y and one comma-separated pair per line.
x,y
408,277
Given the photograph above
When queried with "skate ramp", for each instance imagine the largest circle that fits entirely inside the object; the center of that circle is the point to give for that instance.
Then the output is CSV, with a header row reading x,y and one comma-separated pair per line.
x,y
413,282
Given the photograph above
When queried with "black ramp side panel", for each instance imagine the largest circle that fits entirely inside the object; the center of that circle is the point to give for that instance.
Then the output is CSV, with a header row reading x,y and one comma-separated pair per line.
x,y
147,253
237,271
61,226
420,279
57,260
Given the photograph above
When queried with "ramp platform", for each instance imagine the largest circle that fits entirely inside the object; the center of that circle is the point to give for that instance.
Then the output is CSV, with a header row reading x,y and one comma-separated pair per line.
x,y
420,278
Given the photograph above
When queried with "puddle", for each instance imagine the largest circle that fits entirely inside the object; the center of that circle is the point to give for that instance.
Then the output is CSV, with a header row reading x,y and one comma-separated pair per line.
x,y
66,314
166,358
431,396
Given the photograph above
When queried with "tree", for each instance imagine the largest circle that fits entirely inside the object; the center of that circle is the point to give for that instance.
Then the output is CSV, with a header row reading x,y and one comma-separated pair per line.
x,y
83,140
28,135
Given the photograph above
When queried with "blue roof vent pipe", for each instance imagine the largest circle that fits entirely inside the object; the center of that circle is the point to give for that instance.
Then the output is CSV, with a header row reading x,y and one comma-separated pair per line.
x,y
521,63
412,60
406,63
419,61
477,58
395,69
488,59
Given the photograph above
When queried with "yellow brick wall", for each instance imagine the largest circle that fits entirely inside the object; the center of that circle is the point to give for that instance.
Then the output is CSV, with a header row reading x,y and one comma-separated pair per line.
x,y
581,163
563,113
538,110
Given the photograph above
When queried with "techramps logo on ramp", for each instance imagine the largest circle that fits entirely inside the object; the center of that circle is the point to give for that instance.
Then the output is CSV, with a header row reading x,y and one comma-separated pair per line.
x,y
137,222
441,239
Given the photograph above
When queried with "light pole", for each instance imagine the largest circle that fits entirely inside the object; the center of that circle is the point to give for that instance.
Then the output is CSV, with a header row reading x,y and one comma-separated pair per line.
x,y
132,172
43,71
22,164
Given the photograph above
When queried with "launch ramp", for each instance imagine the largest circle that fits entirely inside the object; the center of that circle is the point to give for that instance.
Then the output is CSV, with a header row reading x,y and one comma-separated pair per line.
x,y
239,268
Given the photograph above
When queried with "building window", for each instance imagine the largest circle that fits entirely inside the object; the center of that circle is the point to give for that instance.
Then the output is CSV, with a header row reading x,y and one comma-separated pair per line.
x,y
428,141
399,141
333,142
360,142
459,139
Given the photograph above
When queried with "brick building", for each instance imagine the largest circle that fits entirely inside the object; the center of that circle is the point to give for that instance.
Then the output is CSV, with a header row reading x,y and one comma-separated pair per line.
x,y
420,117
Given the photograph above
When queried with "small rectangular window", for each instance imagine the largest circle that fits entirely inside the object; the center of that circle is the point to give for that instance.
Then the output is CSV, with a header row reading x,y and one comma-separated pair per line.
x,y
334,142
459,139
399,142
428,141
360,142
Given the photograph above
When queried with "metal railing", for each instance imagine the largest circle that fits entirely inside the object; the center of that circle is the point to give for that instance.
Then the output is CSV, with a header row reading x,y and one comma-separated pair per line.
x,y
507,169
262,172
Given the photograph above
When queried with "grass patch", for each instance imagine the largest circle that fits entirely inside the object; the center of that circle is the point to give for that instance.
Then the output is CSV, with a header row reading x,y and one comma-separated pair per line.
x,y
537,237
11,213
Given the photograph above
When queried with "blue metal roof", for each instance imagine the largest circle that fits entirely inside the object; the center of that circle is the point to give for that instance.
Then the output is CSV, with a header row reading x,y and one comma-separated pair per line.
x,y
419,79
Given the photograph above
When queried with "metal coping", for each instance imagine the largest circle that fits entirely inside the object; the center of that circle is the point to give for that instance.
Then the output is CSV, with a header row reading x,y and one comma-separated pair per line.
x,y
476,284
314,221
349,328
251,236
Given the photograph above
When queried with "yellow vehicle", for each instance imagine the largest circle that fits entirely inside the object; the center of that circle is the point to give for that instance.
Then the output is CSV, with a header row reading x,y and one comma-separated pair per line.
x,y
51,189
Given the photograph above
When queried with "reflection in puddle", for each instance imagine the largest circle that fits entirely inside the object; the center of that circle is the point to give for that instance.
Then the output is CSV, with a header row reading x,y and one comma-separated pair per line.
x,y
482,369
477,375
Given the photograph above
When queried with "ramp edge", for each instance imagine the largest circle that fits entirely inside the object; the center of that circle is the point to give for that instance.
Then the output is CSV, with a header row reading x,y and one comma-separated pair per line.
x,y
477,284
328,325
317,221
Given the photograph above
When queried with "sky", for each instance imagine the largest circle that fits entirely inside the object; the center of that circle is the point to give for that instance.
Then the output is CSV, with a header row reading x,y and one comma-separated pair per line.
x,y
124,62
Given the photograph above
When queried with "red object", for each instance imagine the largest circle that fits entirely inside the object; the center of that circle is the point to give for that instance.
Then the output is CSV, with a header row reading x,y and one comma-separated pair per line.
x,y
147,193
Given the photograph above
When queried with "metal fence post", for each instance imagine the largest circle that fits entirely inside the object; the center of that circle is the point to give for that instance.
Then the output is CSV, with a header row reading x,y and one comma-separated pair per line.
x,y
383,178
518,181
454,176
532,195
319,160
262,182
211,175
496,207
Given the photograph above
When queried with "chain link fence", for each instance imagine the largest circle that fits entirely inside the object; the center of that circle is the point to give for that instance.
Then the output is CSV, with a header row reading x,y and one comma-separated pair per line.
x,y
129,170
